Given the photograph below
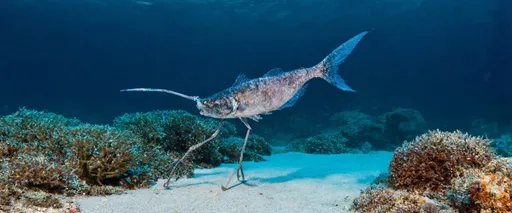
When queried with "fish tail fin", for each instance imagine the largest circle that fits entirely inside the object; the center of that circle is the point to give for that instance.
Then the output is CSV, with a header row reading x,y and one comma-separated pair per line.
x,y
329,66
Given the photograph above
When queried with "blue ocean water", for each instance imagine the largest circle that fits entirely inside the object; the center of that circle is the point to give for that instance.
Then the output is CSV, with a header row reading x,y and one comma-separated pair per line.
x,y
447,59
450,61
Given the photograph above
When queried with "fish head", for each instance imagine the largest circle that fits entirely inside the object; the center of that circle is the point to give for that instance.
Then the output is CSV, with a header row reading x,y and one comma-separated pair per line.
x,y
215,107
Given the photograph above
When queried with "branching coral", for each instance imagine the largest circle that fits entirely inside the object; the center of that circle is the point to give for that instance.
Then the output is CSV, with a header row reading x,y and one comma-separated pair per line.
x,y
492,193
432,160
176,131
45,152
452,169
32,169
101,153
486,189
381,199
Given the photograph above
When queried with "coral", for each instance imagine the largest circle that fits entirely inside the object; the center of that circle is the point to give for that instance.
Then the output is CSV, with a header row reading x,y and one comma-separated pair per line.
x,y
432,160
45,152
457,194
491,193
357,127
380,198
503,145
32,169
256,148
42,153
327,143
456,171
176,131
35,130
483,190
402,124
102,153
9,193
366,147
105,190
42,199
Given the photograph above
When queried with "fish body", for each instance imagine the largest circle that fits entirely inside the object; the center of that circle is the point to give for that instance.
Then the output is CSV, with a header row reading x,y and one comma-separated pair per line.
x,y
273,91
249,98
276,89
252,98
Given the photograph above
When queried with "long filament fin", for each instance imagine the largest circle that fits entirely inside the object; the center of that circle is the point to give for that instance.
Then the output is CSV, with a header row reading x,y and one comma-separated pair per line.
x,y
193,98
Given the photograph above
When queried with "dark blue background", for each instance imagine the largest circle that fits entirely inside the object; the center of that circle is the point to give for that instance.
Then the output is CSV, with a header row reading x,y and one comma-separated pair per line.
x,y
448,59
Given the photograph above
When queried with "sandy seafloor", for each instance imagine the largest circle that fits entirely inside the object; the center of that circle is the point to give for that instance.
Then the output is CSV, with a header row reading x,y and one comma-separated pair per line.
x,y
286,182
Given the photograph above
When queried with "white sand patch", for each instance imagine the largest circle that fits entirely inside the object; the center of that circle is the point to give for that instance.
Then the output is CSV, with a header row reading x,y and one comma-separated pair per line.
x,y
287,182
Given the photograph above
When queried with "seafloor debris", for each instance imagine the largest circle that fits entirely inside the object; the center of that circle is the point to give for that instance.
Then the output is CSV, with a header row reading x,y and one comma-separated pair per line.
x,y
442,172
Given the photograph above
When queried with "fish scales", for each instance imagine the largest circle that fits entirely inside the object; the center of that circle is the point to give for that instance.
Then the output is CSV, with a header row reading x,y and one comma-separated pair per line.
x,y
251,98
267,94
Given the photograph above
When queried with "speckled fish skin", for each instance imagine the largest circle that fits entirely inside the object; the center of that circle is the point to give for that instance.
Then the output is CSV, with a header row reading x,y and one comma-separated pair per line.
x,y
252,98
258,96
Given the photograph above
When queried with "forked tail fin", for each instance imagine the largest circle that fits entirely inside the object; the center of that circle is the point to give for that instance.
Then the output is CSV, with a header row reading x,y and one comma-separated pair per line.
x,y
329,66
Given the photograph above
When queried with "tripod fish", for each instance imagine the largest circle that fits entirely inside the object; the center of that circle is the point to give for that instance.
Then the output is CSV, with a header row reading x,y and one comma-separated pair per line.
x,y
251,98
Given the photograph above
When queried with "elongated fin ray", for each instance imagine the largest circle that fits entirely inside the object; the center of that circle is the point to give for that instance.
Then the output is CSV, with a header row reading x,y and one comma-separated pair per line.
x,y
193,98
242,78
294,99
255,118
273,72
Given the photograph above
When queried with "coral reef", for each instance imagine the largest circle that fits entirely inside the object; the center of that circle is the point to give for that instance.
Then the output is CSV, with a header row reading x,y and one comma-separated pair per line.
x,y
359,130
44,154
357,127
503,145
449,171
354,131
48,152
176,131
381,198
327,143
432,160
402,124
389,129
42,199
485,190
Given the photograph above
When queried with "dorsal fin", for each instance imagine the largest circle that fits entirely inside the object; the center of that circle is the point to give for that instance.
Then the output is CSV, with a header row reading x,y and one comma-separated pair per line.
x,y
240,79
294,99
273,72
